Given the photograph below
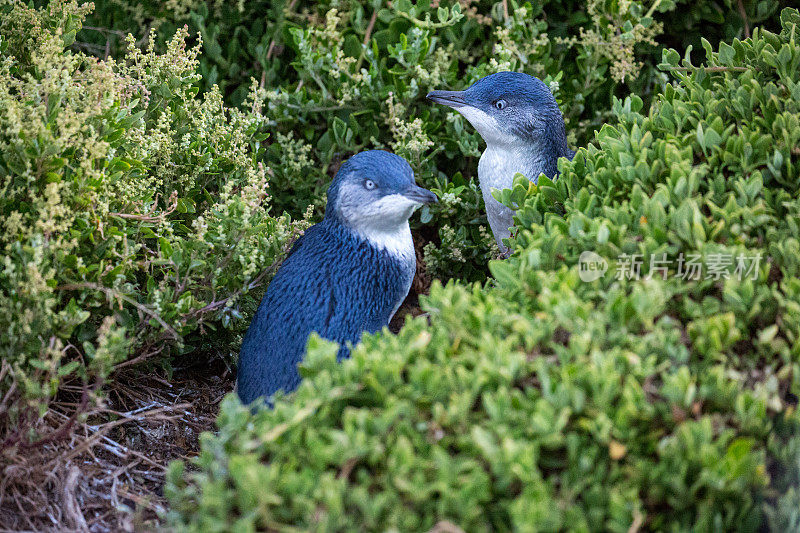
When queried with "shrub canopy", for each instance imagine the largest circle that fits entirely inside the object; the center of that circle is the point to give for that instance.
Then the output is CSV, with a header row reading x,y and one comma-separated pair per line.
x,y
340,77
539,401
133,211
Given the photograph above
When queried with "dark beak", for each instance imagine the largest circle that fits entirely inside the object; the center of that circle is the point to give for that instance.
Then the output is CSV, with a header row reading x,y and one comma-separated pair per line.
x,y
420,195
448,98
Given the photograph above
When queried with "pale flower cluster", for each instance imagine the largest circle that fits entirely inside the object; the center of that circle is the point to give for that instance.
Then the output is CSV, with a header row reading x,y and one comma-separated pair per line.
x,y
517,44
606,40
409,136
449,203
439,259
295,153
321,54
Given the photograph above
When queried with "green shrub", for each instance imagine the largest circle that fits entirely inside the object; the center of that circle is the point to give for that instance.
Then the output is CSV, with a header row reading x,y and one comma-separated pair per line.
x,y
133,211
344,76
539,401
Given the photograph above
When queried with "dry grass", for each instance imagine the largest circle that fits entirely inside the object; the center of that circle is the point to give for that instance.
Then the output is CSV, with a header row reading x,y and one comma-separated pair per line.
x,y
107,473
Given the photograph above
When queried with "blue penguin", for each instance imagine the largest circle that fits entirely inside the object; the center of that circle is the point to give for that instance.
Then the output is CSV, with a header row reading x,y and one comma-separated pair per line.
x,y
346,275
524,132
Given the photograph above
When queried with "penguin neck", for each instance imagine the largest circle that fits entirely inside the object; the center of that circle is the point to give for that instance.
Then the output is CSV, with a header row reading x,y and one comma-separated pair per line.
x,y
395,241
530,157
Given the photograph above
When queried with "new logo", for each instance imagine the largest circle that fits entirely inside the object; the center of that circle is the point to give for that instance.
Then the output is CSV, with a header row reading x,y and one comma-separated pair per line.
x,y
591,266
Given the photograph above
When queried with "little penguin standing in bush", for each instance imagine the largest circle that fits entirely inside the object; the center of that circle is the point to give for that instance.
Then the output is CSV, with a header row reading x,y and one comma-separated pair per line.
x,y
522,125
346,275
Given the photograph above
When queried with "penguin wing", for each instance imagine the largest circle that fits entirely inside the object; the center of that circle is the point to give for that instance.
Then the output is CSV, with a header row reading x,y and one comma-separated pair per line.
x,y
304,297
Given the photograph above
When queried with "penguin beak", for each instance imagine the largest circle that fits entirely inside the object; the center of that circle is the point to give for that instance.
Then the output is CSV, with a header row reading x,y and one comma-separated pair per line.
x,y
452,99
419,195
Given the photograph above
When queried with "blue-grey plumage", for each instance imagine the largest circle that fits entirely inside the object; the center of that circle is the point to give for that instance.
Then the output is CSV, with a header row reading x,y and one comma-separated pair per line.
x,y
346,275
518,117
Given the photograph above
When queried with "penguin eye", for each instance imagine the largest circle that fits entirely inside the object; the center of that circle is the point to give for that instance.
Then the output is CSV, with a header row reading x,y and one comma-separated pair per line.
x,y
500,104
369,185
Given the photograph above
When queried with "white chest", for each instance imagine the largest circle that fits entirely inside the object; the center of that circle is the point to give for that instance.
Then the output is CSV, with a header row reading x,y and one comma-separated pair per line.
x,y
400,246
496,170
498,165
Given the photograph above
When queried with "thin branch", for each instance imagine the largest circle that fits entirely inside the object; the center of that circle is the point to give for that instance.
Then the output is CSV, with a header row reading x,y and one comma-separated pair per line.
x,y
712,69
71,506
143,355
111,292
253,284
66,426
105,30
221,303
271,48
370,26
149,217
653,8
321,109
367,36
743,14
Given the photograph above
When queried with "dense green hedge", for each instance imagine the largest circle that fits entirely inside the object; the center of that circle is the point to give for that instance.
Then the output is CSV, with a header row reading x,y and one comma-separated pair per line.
x,y
133,212
538,401
340,77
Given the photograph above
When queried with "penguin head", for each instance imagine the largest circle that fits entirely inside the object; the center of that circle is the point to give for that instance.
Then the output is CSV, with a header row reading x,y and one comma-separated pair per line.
x,y
374,192
506,108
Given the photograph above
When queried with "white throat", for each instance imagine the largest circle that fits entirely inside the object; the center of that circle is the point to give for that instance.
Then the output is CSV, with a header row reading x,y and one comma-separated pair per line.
x,y
486,125
384,223
505,154
397,242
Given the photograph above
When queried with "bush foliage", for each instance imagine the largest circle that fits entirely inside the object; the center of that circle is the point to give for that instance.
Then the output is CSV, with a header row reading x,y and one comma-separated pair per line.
x,y
133,210
343,76
538,401
149,183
